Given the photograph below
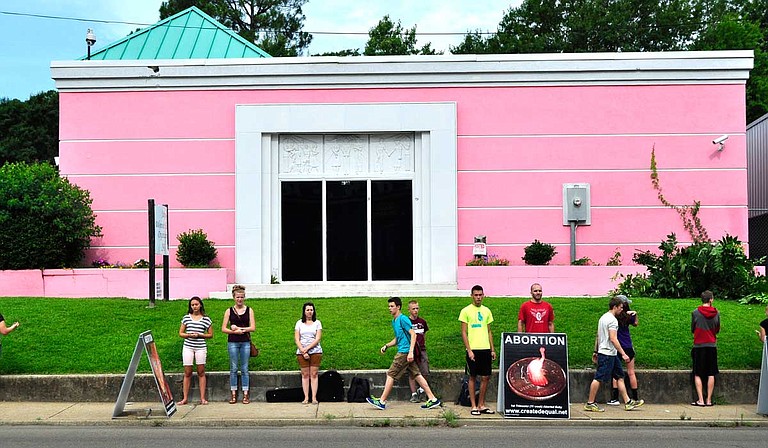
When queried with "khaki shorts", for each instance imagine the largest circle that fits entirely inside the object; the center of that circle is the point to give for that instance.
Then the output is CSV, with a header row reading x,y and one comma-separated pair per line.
x,y
313,361
400,365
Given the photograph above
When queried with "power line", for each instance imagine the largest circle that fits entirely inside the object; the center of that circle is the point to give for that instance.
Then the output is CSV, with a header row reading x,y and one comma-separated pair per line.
x,y
330,33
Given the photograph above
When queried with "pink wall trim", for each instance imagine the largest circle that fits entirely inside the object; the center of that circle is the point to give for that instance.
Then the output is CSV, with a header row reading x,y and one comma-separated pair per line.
x,y
214,192
218,225
526,152
495,189
128,255
132,283
164,156
560,281
481,110
609,225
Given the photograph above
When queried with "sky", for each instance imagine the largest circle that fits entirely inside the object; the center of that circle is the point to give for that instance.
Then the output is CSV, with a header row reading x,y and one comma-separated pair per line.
x,y
29,44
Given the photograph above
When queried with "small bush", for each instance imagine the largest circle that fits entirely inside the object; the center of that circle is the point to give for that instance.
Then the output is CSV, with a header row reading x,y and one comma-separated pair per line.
x,y
195,250
45,221
538,253
583,261
488,260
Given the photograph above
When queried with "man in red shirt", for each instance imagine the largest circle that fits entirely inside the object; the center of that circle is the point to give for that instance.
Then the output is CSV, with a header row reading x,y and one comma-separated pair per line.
x,y
536,316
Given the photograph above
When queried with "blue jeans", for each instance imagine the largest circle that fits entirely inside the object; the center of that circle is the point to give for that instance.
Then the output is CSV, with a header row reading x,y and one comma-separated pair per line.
x,y
239,354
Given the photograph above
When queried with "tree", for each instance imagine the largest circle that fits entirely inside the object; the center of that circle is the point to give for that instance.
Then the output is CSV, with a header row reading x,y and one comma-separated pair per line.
x,y
29,130
553,26
47,222
388,38
732,33
273,25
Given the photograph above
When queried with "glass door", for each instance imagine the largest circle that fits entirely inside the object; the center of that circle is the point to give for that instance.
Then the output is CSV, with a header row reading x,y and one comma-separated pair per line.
x,y
341,230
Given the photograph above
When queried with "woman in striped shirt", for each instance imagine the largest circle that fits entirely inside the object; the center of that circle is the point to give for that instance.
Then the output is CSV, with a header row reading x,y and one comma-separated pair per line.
x,y
195,328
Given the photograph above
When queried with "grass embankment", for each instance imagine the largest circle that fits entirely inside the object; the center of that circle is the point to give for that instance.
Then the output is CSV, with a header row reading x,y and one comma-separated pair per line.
x,y
64,336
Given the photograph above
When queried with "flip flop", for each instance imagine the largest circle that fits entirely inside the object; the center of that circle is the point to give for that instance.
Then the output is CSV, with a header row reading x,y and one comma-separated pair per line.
x,y
486,411
696,403
474,412
709,404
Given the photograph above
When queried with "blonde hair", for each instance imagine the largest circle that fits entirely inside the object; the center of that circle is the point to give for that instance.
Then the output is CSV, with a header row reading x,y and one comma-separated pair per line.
x,y
237,288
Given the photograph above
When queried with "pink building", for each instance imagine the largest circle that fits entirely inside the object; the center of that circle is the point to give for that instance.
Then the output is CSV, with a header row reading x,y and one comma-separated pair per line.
x,y
371,174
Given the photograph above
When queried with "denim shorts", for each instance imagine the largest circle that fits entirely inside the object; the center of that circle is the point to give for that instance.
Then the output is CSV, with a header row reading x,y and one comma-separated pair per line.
x,y
608,368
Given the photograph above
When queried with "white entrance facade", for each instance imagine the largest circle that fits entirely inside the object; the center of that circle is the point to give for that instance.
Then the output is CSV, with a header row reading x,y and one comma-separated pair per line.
x,y
333,147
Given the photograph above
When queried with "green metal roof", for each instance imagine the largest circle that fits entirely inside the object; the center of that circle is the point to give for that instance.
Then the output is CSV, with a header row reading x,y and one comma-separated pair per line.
x,y
190,34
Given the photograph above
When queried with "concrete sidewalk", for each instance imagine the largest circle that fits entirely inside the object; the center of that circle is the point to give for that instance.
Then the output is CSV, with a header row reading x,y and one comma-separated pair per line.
x,y
398,413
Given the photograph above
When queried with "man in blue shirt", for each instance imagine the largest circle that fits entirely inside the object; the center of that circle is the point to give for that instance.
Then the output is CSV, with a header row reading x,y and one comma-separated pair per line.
x,y
405,340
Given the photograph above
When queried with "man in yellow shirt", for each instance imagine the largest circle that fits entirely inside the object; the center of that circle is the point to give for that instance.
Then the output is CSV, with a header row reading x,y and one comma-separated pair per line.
x,y
476,322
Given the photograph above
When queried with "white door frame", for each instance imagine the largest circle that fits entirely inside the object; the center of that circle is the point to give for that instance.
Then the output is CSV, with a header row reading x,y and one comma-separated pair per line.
x,y
256,168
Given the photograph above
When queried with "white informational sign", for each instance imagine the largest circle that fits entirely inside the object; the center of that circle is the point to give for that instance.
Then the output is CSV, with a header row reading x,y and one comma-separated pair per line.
x,y
480,249
161,230
159,290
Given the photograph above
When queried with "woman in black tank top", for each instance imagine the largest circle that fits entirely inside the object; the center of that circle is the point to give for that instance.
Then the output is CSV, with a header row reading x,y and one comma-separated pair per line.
x,y
238,323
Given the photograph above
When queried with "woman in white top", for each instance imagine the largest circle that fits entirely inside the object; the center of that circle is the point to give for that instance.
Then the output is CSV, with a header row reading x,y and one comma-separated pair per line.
x,y
308,351
195,328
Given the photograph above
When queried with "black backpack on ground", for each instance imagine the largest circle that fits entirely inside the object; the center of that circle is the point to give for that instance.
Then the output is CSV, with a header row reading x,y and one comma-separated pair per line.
x,y
463,398
285,395
359,390
330,387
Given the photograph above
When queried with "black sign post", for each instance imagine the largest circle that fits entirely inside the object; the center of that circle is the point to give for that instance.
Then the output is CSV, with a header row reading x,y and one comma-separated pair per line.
x,y
158,243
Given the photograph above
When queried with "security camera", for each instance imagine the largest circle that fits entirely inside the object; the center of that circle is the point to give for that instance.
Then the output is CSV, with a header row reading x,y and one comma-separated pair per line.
x,y
720,140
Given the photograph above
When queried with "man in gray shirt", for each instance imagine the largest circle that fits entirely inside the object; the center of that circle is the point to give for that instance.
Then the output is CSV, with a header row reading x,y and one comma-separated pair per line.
x,y
606,355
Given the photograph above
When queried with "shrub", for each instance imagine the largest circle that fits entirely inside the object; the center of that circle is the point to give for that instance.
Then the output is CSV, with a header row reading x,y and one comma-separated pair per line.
x,y
488,260
46,221
195,250
720,266
538,253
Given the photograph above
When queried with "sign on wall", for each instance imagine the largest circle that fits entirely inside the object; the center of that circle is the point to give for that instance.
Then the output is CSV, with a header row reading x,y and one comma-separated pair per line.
x,y
533,375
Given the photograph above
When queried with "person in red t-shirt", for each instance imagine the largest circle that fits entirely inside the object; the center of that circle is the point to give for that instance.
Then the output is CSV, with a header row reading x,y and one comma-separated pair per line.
x,y
536,316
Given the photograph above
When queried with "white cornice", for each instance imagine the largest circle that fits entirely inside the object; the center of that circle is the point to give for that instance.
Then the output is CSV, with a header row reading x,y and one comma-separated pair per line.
x,y
709,67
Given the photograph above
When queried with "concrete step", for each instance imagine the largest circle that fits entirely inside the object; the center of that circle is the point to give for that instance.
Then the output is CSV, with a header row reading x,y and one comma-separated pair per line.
x,y
345,289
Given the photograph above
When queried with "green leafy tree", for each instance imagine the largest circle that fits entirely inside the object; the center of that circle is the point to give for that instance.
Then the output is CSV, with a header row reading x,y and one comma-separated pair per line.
x,y
743,29
389,38
275,26
553,26
46,221
347,52
29,130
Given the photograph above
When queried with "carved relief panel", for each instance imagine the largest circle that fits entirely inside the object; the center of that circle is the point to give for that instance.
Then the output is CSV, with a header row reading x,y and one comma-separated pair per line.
x,y
346,155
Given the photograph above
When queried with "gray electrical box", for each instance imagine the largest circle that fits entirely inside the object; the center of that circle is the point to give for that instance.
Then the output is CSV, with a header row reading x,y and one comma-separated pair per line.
x,y
576,204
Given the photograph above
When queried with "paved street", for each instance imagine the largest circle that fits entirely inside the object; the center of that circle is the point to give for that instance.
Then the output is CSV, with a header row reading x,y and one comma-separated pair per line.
x,y
332,437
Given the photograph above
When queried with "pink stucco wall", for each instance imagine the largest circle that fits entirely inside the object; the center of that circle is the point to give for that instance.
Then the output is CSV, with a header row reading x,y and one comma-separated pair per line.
x,y
132,283
516,147
557,281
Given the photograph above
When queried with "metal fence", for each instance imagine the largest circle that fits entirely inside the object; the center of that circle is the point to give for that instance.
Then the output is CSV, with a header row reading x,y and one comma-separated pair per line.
x,y
758,235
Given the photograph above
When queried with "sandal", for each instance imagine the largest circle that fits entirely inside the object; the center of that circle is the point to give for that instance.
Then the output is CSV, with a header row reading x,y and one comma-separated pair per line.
x,y
696,403
246,397
233,397
486,411
203,401
474,412
305,402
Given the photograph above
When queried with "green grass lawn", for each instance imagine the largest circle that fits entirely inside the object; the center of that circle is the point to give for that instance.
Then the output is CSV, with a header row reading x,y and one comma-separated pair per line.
x,y
64,336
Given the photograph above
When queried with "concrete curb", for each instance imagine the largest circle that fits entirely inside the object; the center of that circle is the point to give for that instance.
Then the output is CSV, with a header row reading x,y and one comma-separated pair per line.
x,y
656,386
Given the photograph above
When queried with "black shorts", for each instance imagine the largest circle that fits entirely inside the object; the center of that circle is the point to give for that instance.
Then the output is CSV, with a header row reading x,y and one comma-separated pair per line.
x,y
704,361
481,366
630,351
